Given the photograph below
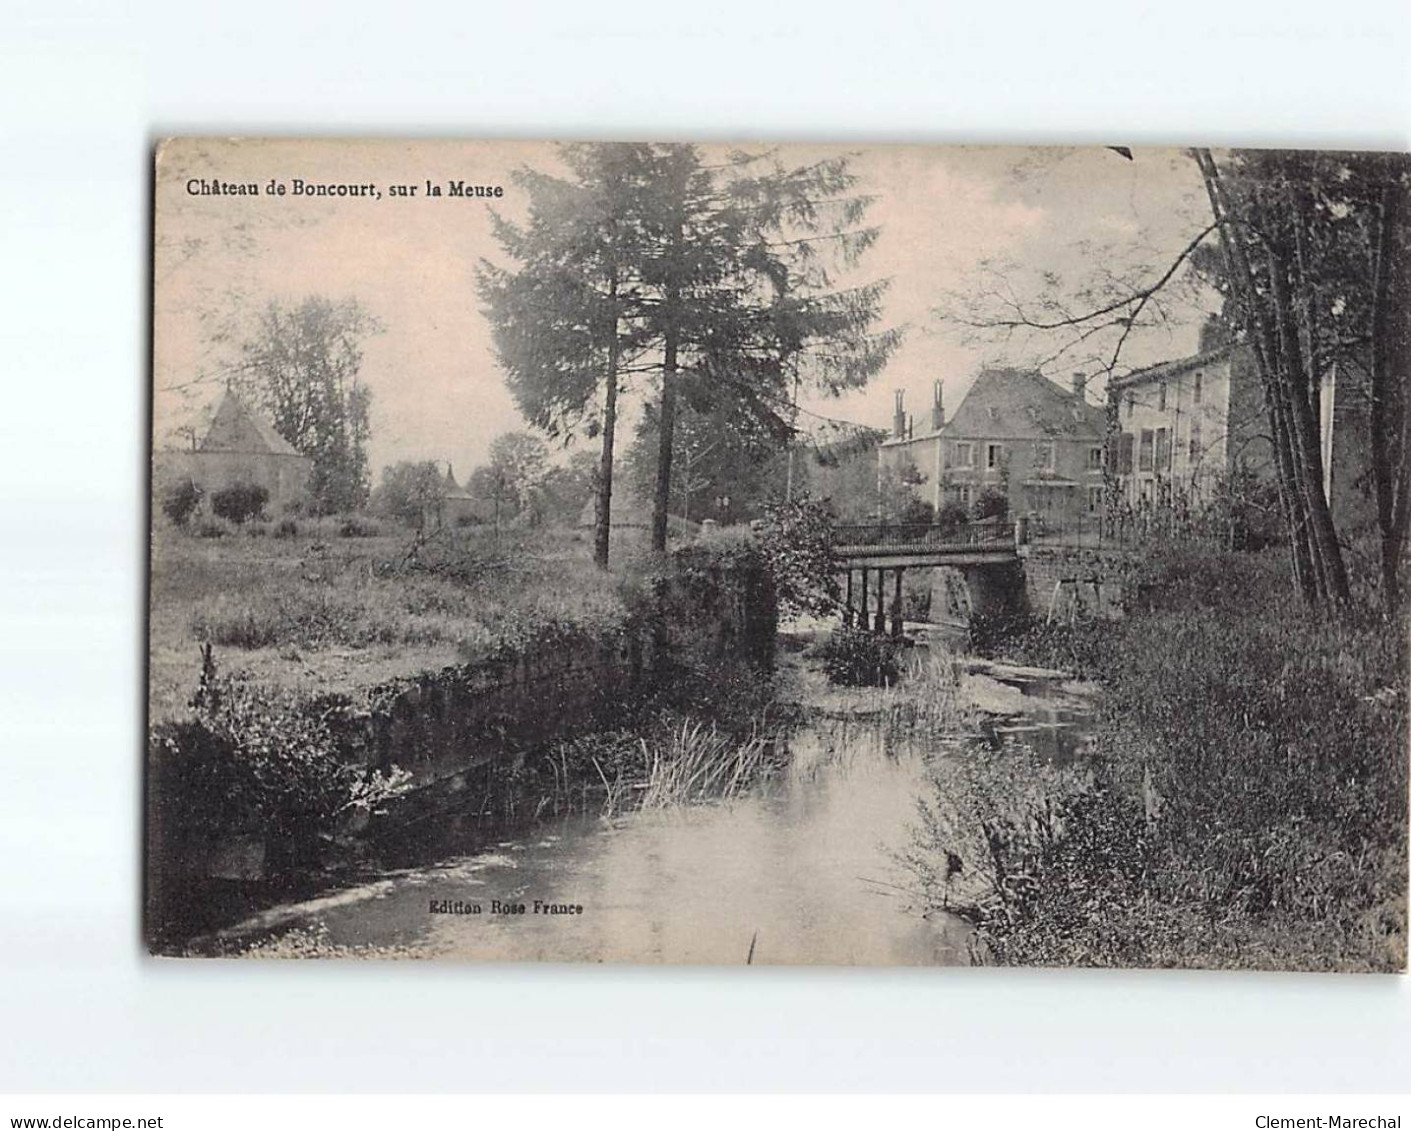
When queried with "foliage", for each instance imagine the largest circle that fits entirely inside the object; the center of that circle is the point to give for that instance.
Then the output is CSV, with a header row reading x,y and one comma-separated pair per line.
x,y
356,526
180,501
239,502
1244,800
286,528
304,360
714,277
250,758
916,512
725,461
991,503
407,489
952,516
858,658
796,540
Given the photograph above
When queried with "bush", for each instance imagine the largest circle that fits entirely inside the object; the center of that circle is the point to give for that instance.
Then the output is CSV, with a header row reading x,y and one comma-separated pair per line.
x,y
180,501
1244,800
356,527
951,517
253,760
857,658
240,502
286,528
796,539
916,512
212,528
991,504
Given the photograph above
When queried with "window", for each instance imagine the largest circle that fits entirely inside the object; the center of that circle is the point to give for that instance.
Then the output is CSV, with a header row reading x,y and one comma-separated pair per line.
x,y
1095,459
1161,397
1043,455
1131,404
1198,389
1094,500
964,454
1195,441
993,455
1163,450
1145,458
1124,453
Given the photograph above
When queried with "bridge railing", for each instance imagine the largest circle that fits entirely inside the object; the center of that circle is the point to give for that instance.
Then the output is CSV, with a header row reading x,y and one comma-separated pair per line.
x,y
897,535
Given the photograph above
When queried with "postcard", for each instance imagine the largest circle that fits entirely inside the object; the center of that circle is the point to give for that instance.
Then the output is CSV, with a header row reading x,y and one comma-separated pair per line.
x,y
673,553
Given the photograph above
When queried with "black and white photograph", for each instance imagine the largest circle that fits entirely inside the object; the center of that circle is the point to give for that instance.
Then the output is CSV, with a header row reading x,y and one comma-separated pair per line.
x,y
687,554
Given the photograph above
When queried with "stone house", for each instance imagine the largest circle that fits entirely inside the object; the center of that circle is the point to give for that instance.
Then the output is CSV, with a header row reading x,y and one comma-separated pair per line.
x,y
1015,432
240,447
1184,425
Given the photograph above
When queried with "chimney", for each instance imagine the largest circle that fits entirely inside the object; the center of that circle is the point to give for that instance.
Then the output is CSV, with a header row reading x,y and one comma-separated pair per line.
x,y
1080,385
938,409
899,419
910,426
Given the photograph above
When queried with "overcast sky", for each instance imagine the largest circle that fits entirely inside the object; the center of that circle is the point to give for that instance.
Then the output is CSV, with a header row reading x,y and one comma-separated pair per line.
x,y
437,393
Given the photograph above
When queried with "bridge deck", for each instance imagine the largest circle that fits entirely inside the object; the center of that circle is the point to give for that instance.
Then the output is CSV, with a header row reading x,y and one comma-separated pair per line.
x,y
890,547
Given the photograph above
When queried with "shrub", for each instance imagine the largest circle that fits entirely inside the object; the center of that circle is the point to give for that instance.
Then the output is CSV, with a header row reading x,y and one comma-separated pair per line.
x,y
212,528
1244,800
286,528
991,504
796,539
856,658
180,501
356,527
951,517
239,502
916,512
251,759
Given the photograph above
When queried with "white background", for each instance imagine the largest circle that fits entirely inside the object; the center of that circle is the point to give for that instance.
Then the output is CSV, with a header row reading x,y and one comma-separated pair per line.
x,y
85,88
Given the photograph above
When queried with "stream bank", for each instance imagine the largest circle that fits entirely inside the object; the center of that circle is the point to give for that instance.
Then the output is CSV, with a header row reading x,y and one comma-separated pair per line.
x,y
803,863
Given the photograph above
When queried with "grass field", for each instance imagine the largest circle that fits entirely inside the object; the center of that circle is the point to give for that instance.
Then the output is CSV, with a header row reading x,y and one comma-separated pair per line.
x,y
318,610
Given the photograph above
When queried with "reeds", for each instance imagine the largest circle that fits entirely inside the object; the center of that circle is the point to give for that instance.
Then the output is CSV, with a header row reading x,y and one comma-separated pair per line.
x,y
700,763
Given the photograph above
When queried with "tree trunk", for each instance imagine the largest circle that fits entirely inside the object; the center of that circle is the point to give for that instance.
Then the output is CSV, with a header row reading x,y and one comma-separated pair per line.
x,y
1267,353
1307,450
661,503
1389,415
602,507
671,344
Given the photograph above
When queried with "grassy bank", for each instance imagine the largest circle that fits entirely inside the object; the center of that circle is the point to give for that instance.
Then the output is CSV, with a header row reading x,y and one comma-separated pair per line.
x,y
342,606
1244,804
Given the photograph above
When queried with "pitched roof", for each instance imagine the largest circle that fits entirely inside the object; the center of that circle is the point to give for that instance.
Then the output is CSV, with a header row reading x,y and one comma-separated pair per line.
x,y
1175,368
1018,404
235,428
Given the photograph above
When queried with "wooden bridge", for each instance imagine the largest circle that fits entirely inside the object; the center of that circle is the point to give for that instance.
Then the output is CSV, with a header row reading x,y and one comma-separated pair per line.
x,y
988,552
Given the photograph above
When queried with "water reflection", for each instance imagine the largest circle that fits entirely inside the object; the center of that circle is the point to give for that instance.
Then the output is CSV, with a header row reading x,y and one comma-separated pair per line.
x,y
799,871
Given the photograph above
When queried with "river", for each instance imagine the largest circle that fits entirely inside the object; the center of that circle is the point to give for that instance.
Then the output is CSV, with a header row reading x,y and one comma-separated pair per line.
x,y
800,869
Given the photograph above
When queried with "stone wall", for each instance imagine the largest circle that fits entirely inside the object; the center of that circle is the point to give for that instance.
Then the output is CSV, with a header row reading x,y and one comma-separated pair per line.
x,y
464,731
1072,580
